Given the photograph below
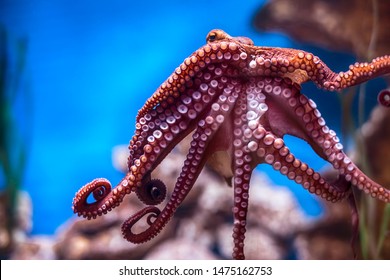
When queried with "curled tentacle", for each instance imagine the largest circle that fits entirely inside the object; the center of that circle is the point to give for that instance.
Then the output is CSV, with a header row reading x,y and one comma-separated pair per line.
x,y
104,197
153,192
99,188
101,191
192,167
153,213
384,98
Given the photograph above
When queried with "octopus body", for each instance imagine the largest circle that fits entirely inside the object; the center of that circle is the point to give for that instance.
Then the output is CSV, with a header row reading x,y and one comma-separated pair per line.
x,y
238,101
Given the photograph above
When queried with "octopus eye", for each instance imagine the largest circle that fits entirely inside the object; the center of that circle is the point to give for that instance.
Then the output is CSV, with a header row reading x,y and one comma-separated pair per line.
x,y
217,35
211,37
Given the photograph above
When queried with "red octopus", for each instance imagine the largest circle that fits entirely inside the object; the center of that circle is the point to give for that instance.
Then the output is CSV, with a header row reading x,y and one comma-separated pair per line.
x,y
238,100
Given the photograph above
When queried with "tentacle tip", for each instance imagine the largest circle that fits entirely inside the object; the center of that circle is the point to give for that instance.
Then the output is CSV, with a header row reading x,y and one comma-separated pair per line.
x,y
152,213
90,194
152,192
384,98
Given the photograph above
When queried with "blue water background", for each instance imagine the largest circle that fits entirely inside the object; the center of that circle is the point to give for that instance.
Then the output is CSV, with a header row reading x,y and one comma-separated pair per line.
x,y
90,67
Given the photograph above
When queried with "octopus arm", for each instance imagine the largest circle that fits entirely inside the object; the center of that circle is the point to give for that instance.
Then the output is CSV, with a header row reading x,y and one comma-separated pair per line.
x,y
293,113
197,156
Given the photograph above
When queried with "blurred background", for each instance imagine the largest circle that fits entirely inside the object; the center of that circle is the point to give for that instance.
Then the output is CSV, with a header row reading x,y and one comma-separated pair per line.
x,y
75,73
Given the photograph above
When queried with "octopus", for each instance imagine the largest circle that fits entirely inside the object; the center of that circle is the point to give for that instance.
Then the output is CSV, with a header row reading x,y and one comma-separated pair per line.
x,y
237,100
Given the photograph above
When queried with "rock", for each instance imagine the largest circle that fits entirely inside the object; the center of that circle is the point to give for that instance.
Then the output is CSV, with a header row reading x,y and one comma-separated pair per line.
x,y
35,248
357,26
329,238
180,249
11,237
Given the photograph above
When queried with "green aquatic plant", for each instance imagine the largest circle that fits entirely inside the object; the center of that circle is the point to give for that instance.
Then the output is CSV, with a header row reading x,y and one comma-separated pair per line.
x,y
372,237
12,147
371,247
